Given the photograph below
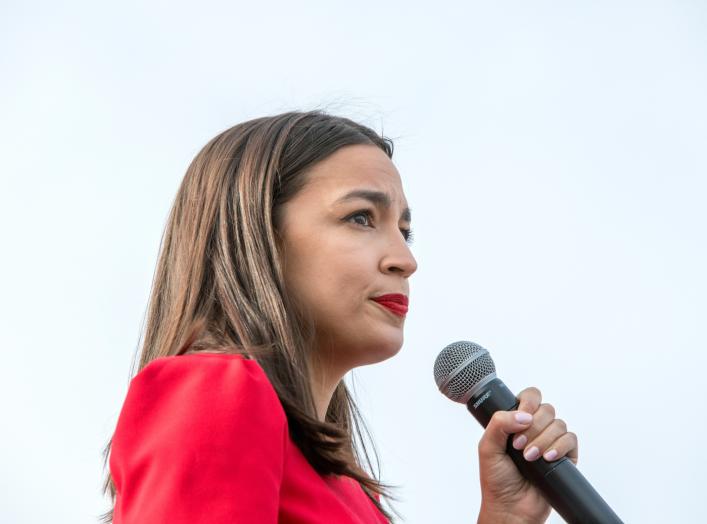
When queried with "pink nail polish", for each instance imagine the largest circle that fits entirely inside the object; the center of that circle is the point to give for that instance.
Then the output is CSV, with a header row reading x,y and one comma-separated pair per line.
x,y
523,417
520,441
550,455
532,453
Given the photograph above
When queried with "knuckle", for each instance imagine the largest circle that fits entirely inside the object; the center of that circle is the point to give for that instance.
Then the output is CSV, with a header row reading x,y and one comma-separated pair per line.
x,y
532,391
561,424
497,417
549,409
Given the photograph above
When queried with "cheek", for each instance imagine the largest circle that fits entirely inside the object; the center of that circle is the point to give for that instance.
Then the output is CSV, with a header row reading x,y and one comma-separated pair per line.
x,y
340,290
335,289
331,284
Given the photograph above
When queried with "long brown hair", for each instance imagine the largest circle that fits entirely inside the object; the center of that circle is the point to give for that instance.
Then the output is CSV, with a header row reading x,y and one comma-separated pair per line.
x,y
218,284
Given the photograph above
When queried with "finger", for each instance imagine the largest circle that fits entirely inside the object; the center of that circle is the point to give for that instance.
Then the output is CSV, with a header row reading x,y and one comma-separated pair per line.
x,y
500,427
565,445
541,443
542,418
529,400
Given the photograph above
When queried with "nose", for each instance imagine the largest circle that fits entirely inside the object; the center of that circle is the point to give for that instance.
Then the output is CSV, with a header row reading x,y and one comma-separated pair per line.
x,y
398,258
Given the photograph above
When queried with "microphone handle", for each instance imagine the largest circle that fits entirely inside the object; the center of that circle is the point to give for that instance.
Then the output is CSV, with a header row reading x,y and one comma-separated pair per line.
x,y
562,484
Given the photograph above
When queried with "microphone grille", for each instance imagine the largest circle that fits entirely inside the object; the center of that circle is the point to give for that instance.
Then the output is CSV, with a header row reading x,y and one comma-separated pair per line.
x,y
460,367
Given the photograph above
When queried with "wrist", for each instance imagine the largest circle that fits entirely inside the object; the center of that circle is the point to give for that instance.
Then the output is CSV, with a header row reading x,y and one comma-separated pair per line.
x,y
491,515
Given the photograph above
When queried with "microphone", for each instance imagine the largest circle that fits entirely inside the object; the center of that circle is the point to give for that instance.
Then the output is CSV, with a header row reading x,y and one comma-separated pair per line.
x,y
465,373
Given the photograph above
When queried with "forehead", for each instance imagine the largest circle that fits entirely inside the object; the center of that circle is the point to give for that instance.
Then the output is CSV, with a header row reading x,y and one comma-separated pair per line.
x,y
356,167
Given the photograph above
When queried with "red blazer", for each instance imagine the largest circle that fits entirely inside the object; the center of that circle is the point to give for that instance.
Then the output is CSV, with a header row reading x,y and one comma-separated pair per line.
x,y
203,438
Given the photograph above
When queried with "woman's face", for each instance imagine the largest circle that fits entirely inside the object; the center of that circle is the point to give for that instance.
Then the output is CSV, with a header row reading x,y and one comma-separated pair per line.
x,y
344,243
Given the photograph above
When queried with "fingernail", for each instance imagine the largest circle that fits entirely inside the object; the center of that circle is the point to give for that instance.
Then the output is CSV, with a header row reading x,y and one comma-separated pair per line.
x,y
550,455
532,453
520,441
523,417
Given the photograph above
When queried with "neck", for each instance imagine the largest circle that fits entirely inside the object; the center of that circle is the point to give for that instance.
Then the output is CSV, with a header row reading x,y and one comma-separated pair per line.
x,y
325,379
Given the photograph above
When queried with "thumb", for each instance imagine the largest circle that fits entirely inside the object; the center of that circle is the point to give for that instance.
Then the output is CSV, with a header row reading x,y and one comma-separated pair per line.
x,y
500,427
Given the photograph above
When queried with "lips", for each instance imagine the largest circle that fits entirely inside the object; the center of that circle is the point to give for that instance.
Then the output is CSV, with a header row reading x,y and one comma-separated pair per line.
x,y
395,303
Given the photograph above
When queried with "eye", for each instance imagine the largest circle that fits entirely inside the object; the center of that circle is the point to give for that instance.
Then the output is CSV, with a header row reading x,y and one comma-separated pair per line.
x,y
362,218
407,235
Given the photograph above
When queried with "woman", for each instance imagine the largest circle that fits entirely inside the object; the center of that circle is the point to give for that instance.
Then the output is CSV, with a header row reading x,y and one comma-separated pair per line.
x,y
284,265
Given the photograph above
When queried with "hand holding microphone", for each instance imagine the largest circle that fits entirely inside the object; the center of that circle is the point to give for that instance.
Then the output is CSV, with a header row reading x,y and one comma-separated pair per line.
x,y
504,490
518,484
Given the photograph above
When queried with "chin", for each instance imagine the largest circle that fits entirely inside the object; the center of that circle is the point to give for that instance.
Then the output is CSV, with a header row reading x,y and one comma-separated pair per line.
x,y
364,344
379,350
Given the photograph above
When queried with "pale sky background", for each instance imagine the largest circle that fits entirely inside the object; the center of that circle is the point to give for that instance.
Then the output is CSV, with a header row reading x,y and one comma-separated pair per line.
x,y
554,156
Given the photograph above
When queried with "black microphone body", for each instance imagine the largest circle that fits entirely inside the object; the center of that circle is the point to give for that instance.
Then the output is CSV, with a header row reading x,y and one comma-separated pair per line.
x,y
564,487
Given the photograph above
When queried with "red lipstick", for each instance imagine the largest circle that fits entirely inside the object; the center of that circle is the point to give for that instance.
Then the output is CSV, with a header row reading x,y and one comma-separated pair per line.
x,y
395,303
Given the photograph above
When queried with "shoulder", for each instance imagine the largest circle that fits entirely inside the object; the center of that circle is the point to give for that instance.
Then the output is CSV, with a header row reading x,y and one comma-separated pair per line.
x,y
204,394
225,365
208,373
193,430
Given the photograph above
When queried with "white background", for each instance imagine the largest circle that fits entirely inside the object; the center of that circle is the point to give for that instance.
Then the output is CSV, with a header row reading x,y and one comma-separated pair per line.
x,y
553,154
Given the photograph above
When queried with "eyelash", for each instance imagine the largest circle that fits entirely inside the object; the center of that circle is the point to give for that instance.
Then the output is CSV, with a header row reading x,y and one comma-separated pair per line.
x,y
407,233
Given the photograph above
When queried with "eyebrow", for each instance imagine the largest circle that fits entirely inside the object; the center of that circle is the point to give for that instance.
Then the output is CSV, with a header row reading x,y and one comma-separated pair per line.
x,y
375,197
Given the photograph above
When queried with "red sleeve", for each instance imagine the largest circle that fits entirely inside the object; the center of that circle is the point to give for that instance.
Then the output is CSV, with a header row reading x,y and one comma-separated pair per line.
x,y
200,438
